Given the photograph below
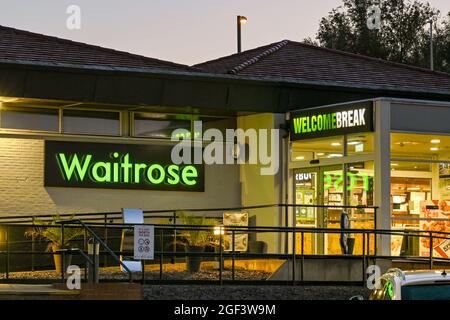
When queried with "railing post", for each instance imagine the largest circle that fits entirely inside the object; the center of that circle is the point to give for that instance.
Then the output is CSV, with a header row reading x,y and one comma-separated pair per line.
x,y
220,258
286,235
105,234
94,260
143,271
232,256
364,257
303,256
33,245
63,256
7,252
431,250
293,255
174,236
86,274
161,255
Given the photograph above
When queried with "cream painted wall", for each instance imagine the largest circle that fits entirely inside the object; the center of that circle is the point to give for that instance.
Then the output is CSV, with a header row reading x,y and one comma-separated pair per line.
x,y
262,190
22,188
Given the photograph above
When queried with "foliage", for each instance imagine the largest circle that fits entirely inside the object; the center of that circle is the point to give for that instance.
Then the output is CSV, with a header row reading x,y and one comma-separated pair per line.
x,y
403,37
52,232
195,238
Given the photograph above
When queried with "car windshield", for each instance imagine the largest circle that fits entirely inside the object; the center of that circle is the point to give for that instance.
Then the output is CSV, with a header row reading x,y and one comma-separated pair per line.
x,y
427,292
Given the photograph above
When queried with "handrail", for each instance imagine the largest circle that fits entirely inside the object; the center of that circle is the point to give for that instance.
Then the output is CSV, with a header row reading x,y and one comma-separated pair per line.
x,y
364,254
110,215
105,246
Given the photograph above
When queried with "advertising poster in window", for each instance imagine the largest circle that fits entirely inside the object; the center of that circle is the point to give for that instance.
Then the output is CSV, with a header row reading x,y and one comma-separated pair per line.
x,y
435,209
236,219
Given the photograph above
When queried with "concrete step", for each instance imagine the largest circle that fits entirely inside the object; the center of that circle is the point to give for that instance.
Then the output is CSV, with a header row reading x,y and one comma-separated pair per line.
x,y
36,292
58,291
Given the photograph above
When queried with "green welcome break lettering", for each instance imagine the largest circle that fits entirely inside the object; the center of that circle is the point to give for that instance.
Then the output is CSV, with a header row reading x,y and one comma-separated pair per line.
x,y
78,167
316,123
330,121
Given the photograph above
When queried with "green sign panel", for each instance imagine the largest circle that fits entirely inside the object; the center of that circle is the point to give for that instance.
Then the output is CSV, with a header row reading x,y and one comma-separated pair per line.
x,y
326,122
118,166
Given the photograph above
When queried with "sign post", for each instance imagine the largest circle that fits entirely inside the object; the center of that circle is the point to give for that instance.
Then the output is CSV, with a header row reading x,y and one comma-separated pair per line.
x,y
144,242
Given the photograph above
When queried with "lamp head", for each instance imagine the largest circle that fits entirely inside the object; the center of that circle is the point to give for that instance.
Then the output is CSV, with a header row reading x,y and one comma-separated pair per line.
x,y
242,20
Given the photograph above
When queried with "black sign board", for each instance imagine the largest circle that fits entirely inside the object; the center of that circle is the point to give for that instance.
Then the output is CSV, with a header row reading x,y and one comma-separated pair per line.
x,y
118,166
332,121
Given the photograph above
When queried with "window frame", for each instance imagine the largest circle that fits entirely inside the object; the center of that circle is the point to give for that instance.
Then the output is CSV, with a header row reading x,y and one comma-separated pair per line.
x,y
61,124
14,130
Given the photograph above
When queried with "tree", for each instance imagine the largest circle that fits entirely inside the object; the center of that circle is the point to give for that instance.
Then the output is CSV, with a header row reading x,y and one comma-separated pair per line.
x,y
403,36
442,46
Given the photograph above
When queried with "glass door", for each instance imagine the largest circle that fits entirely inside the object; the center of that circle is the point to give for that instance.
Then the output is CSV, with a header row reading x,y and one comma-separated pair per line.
x,y
317,186
333,195
306,185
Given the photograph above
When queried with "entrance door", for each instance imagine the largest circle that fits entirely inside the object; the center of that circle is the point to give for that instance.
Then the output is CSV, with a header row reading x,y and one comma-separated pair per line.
x,y
315,186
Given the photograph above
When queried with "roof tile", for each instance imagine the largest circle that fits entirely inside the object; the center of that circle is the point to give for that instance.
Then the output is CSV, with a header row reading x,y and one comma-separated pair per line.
x,y
299,62
24,46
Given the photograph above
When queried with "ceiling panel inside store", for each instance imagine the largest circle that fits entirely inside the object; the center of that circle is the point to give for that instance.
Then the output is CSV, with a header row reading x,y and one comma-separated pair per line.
x,y
331,147
420,146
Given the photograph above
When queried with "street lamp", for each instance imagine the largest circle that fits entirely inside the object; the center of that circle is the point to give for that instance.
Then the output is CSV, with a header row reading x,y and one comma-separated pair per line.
x,y
431,46
240,21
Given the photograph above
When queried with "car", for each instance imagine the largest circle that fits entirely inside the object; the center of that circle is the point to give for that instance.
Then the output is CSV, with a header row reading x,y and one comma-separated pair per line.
x,y
396,284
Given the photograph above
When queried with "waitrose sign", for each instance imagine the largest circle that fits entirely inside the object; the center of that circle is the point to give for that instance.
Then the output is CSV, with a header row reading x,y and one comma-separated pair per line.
x,y
118,166
325,122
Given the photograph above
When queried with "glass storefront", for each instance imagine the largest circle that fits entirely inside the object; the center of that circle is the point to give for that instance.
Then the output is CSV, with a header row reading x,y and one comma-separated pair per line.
x,y
324,186
420,189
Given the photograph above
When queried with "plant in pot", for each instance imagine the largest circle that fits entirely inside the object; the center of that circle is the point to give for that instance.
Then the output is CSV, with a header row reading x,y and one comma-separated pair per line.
x,y
194,241
51,232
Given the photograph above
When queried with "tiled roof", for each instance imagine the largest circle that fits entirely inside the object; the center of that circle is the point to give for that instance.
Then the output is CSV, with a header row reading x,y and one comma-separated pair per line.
x,y
27,47
299,62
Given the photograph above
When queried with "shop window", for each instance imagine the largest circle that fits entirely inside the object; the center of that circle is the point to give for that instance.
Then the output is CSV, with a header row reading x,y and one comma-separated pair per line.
x,y
25,118
420,146
91,122
159,126
326,148
420,200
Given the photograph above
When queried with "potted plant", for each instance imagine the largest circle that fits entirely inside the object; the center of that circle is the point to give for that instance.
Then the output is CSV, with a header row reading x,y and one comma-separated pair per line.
x,y
194,241
51,232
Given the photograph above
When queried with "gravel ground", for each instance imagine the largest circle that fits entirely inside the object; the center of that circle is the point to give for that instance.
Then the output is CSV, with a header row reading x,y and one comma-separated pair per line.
x,y
149,275
159,292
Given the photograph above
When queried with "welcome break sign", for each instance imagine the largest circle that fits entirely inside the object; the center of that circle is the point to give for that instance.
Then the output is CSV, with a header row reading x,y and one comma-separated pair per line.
x,y
332,121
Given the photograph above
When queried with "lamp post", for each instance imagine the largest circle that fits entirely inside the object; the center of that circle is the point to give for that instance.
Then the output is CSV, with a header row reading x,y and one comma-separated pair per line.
x,y
240,21
431,46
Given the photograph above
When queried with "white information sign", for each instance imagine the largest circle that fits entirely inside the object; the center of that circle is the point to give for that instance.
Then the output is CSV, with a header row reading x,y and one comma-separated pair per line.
x,y
144,242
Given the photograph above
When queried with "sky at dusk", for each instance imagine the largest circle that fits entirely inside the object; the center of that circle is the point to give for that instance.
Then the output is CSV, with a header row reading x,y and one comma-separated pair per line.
x,y
183,31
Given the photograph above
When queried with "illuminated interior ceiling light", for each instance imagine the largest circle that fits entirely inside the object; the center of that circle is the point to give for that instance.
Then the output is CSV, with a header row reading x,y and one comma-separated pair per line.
x,y
394,164
219,230
336,144
354,143
335,155
434,149
320,154
8,99
435,141
300,158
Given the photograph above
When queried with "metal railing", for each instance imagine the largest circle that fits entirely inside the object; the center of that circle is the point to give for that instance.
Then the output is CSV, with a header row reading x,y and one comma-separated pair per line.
x,y
95,239
294,252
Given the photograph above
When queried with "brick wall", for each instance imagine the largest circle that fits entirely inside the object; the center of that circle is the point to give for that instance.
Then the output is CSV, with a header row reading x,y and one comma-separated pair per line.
x,y
22,188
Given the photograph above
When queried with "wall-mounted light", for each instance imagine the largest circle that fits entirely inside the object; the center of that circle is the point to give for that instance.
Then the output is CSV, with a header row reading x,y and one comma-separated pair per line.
x,y
219,230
